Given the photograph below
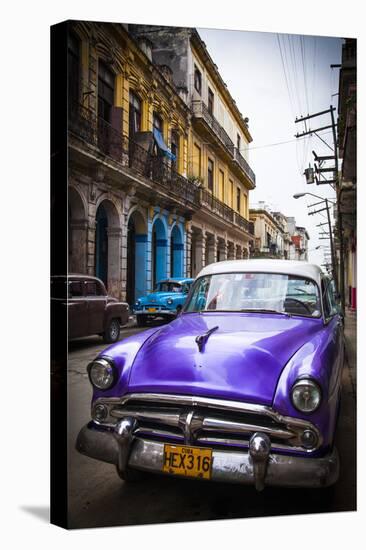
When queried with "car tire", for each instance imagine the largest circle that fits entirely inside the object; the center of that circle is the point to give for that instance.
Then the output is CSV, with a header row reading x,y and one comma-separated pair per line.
x,y
130,475
112,332
141,320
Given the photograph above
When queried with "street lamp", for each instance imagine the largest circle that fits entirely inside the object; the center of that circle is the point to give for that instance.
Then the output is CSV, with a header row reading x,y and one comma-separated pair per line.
x,y
326,200
299,195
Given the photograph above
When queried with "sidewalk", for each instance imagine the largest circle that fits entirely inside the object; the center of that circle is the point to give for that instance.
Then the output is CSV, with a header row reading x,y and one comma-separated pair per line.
x,y
350,333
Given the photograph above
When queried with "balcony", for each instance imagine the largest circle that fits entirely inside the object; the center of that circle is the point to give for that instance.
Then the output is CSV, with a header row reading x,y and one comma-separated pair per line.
x,y
240,161
225,212
81,122
217,133
130,155
214,129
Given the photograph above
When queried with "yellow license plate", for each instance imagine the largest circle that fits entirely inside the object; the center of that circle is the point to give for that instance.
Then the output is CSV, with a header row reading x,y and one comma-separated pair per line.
x,y
187,461
151,309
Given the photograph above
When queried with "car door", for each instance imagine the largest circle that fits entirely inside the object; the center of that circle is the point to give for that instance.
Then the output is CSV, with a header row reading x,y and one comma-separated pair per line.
x,y
335,326
77,309
96,304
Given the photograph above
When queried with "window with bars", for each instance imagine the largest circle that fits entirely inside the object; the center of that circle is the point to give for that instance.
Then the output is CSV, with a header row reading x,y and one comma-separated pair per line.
x,y
238,142
196,160
134,114
73,67
105,91
197,80
174,147
210,103
210,175
221,185
157,122
231,188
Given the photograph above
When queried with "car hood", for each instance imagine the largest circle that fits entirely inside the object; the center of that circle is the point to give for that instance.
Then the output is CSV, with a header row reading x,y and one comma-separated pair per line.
x,y
242,359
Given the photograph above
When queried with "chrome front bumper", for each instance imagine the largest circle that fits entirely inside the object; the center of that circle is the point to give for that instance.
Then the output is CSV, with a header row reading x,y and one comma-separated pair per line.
x,y
257,467
157,313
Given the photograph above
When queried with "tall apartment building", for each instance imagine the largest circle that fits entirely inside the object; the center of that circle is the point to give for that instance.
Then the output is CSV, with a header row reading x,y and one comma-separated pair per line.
x,y
218,146
347,138
129,198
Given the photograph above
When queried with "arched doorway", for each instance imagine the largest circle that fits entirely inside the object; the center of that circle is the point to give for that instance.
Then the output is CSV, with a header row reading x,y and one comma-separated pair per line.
x,y
176,252
77,229
159,245
136,257
107,247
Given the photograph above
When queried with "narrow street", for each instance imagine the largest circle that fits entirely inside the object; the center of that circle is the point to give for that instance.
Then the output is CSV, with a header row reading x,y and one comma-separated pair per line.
x,y
97,497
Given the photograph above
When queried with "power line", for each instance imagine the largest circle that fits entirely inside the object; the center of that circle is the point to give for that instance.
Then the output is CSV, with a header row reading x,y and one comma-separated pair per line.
x,y
285,75
257,147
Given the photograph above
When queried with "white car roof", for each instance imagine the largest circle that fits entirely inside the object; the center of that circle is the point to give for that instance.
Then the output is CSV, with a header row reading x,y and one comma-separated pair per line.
x,y
288,267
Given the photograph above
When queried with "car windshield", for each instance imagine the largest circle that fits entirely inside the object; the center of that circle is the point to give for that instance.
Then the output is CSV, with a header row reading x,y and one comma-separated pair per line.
x,y
264,292
168,286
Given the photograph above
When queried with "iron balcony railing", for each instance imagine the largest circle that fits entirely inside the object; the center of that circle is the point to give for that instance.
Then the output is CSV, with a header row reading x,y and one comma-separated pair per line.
x,y
225,212
81,121
200,110
111,142
244,165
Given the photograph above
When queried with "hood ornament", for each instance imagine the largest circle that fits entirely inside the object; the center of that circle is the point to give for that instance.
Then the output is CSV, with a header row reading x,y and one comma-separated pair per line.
x,y
202,338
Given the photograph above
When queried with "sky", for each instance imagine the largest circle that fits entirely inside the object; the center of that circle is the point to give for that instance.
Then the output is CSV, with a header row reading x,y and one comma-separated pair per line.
x,y
272,90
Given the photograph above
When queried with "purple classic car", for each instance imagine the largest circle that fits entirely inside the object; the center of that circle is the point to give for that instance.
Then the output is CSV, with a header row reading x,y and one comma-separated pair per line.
x,y
244,386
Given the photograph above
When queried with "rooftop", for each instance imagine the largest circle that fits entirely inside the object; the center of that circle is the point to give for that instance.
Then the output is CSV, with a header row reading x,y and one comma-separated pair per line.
x,y
287,267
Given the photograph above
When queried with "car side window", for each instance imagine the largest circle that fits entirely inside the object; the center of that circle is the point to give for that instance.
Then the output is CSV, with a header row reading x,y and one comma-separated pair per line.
x,y
329,304
75,289
91,288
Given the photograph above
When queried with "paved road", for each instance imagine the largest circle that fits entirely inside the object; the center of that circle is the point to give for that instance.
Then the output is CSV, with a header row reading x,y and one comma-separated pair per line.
x,y
97,497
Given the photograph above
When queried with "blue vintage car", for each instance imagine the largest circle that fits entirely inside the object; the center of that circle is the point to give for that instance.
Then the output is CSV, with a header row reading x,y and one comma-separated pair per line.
x,y
166,301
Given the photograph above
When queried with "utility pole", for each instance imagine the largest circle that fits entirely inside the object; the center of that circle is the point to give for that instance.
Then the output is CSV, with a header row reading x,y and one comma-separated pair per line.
x,y
339,279
325,235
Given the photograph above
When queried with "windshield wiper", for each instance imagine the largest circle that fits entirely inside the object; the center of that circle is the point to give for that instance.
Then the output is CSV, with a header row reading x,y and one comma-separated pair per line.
x,y
263,310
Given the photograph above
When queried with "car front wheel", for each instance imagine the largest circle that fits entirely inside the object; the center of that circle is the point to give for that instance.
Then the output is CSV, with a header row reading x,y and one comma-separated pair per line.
x,y
111,333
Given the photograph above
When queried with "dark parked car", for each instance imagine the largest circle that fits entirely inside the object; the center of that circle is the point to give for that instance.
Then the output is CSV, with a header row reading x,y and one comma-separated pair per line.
x,y
90,309
244,386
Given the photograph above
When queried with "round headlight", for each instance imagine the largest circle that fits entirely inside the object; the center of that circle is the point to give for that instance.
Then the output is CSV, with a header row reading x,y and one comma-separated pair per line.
x,y
101,374
169,301
306,395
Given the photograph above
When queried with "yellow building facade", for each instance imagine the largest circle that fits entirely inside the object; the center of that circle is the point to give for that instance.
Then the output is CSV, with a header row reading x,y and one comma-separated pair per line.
x,y
129,204
218,147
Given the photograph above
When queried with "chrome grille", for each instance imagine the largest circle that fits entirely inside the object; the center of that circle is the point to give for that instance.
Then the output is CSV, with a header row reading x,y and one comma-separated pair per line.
x,y
205,421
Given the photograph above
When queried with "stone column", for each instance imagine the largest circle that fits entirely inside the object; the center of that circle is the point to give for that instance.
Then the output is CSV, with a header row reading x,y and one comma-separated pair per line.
x,y
187,268
223,250
124,255
114,261
78,246
231,251
212,249
91,245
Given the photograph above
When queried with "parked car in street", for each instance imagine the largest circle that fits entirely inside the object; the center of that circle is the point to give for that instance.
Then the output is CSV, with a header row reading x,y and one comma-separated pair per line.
x,y
90,309
244,386
166,301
